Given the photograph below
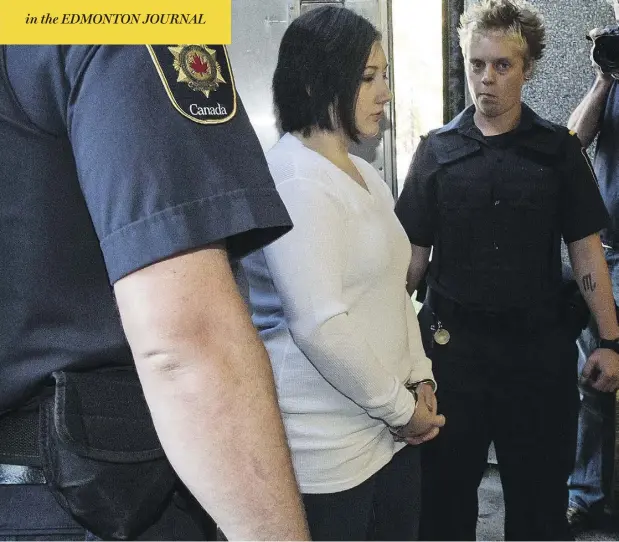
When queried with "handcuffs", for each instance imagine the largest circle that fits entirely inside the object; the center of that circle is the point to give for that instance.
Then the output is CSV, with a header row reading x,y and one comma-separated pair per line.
x,y
412,388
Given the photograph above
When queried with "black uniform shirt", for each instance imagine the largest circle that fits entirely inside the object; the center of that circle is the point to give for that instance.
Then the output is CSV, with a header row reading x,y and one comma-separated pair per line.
x,y
494,209
102,173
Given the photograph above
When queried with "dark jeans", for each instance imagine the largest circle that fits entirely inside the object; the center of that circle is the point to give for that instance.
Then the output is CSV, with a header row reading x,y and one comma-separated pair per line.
x,y
590,483
591,479
384,507
518,388
30,512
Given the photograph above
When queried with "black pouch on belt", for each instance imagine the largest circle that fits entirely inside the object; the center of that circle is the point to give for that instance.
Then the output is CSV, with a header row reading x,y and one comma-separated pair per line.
x,y
575,313
101,456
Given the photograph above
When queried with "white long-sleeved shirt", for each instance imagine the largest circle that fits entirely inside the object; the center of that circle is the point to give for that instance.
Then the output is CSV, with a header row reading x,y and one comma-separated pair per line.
x,y
330,304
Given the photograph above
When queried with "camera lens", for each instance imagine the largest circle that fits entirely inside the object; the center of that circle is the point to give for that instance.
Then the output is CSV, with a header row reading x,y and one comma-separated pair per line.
x,y
606,54
606,51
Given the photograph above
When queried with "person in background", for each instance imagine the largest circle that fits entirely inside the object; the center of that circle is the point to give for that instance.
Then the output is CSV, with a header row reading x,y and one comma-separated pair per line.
x,y
589,484
491,194
355,388
121,211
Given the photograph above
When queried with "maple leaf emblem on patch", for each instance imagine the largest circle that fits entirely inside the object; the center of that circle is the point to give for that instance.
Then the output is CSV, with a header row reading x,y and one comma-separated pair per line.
x,y
198,67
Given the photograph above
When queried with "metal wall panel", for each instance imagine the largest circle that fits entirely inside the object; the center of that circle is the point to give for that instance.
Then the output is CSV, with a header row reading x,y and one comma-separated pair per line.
x,y
454,83
257,29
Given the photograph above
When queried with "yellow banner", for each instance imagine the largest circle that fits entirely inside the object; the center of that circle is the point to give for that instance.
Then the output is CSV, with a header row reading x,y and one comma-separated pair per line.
x,y
115,22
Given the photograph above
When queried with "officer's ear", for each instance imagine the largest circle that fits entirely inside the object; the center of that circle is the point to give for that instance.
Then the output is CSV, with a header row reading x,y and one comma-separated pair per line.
x,y
529,67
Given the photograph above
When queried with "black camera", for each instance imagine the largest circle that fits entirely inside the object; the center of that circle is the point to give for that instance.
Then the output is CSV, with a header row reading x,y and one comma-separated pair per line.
x,y
605,51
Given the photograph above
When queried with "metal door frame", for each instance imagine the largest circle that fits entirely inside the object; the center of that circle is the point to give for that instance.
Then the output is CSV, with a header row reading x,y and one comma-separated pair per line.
x,y
388,167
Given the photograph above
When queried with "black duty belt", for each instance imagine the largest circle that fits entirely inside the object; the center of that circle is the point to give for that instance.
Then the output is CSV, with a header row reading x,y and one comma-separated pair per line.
x,y
527,318
20,461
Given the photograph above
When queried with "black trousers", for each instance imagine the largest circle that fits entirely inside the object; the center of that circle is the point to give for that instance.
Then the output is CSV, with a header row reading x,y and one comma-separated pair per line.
x,y
517,387
384,507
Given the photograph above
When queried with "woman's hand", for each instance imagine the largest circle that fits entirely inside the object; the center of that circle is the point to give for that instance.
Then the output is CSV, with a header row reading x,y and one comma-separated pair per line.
x,y
425,423
425,392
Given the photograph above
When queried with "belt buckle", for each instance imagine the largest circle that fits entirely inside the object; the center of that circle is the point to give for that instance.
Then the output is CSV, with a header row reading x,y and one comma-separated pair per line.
x,y
13,475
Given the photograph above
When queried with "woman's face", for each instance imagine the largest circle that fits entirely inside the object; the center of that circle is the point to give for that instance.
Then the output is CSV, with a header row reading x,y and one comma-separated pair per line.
x,y
495,72
374,93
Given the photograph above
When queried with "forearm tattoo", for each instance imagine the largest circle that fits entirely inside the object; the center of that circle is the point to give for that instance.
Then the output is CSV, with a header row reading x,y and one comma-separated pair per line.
x,y
588,284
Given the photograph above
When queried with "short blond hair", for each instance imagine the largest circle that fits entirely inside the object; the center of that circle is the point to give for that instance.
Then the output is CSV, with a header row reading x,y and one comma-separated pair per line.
x,y
515,18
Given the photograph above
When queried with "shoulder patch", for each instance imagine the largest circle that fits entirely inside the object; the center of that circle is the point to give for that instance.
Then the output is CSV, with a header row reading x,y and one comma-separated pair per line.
x,y
198,80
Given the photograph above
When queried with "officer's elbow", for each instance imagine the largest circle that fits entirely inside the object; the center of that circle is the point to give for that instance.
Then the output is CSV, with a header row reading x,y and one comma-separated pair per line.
x,y
187,371
167,364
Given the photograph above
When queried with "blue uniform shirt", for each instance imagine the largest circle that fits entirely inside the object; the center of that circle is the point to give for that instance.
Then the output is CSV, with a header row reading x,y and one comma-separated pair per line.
x,y
606,165
102,173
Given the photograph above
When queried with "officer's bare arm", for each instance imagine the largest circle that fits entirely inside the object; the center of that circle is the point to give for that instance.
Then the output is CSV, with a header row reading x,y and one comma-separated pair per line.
x,y
586,118
419,262
208,382
591,272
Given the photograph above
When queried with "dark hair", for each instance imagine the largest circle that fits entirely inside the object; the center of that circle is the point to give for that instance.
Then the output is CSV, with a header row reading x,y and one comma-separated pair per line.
x,y
321,61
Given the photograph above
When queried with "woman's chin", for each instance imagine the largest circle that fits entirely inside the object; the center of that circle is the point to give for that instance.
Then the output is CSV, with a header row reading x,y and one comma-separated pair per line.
x,y
369,133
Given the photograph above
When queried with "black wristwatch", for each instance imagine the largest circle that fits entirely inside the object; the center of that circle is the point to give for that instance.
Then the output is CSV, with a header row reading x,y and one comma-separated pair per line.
x,y
611,344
